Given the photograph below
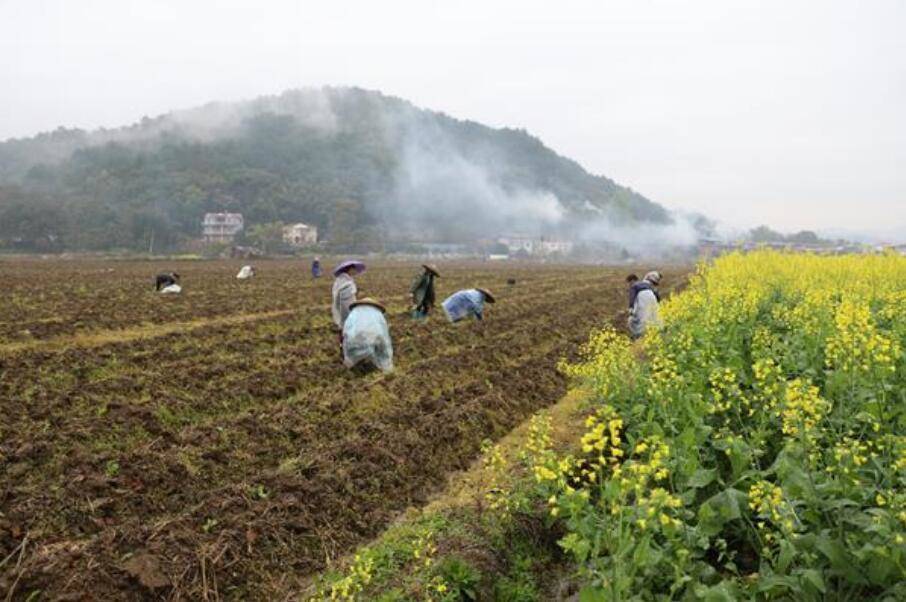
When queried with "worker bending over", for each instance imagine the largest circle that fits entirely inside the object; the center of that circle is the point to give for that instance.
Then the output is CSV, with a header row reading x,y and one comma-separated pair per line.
x,y
366,337
165,280
246,272
644,302
423,291
344,289
465,303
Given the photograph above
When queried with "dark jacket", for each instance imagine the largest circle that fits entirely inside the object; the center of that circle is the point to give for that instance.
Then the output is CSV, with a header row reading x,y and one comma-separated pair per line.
x,y
423,291
165,280
637,287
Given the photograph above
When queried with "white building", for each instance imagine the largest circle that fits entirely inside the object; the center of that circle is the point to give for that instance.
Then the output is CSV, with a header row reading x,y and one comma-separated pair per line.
x,y
517,242
221,227
549,247
535,246
299,235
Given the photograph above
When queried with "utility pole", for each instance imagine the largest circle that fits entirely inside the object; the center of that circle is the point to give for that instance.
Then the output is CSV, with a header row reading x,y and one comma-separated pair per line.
x,y
151,244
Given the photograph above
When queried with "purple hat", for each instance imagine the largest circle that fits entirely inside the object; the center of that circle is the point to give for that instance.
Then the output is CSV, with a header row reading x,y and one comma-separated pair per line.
x,y
348,264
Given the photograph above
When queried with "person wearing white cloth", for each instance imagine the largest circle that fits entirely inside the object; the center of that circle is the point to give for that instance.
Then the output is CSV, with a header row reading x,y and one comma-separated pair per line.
x,y
246,272
344,290
645,302
366,337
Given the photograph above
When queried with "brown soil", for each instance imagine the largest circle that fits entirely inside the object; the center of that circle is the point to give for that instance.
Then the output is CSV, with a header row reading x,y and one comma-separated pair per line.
x,y
233,455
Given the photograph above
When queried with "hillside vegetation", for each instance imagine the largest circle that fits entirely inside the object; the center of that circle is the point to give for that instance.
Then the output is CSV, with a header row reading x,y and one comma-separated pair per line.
x,y
360,165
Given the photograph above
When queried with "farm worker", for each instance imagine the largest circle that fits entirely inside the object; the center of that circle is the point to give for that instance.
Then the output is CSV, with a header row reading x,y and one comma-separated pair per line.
x,y
316,268
644,302
246,272
366,336
165,279
344,289
423,291
465,303
630,281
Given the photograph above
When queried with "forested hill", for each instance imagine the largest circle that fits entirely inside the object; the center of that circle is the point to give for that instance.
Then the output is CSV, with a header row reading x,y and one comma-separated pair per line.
x,y
360,165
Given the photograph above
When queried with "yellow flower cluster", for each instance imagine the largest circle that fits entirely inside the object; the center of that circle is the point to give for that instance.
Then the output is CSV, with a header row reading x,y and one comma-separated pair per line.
x,y
802,408
538,441
725,392
767,501
665,379
424,549
648,466
856,345
656,508
768,382
850,453
899,458
495,466
778,374
603,434
605,357
357,577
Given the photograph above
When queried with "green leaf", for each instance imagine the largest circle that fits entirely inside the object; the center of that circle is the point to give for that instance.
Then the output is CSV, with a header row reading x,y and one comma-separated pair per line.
x,y
787,553
880,568
720,509
839,558
641,554
590,593
814,578
722,592
702,478
774,584
577,545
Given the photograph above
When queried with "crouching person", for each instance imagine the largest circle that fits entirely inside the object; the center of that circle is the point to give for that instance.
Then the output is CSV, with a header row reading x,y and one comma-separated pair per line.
x,y
469,302
247,271
168,282
366,337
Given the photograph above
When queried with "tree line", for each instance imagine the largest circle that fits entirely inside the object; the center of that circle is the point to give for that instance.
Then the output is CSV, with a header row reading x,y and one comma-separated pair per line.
x,y
272,167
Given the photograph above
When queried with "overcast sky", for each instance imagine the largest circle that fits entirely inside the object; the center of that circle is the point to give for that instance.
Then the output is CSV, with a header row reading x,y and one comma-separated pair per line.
x,y
786,112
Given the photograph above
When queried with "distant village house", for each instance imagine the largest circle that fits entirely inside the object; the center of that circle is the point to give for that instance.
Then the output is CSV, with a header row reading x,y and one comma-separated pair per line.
x,y
550,247
221,227
300,235
528,245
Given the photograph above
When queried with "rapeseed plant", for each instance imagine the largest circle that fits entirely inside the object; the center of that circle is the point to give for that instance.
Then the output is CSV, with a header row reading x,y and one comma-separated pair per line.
x,y
759,448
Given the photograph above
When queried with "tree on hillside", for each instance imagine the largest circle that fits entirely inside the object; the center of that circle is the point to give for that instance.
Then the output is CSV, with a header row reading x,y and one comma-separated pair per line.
x,y
805,237
373,166
765,234
267,237
30,222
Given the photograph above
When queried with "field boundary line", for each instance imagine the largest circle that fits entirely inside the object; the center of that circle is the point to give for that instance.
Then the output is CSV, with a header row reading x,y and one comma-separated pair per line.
x,y
464,488
102,338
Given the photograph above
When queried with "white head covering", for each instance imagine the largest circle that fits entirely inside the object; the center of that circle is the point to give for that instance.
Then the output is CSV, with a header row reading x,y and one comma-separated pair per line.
x,y
654,277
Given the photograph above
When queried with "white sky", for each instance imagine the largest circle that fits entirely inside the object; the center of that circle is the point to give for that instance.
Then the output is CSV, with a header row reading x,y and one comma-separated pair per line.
x,y
787,112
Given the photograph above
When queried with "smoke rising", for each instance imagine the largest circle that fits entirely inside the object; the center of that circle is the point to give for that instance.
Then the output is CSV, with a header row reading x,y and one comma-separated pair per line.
x,y
421,176
443,195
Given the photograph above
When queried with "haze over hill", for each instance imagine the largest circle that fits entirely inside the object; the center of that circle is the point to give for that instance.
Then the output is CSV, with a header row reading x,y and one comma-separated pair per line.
x,y
362,166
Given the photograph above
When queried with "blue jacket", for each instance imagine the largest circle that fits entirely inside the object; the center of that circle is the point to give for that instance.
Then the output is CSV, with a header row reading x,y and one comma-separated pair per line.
x,y
463,304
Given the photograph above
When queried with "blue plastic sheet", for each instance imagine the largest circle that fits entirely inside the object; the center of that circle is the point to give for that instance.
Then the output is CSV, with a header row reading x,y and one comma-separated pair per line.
x,y
366,338
463,304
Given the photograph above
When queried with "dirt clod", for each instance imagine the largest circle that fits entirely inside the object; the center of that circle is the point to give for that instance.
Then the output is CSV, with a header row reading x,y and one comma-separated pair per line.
x,y
146,568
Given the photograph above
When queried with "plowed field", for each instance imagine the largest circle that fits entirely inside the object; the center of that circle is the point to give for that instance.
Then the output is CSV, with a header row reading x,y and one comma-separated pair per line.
x,y
212,444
